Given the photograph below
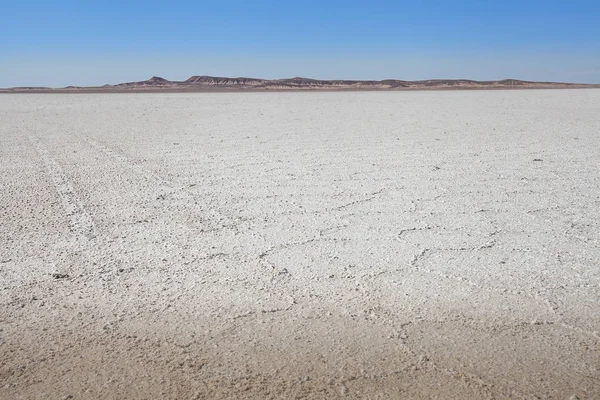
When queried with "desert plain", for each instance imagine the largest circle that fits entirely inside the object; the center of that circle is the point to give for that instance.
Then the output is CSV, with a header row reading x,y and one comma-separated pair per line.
x,y
300,245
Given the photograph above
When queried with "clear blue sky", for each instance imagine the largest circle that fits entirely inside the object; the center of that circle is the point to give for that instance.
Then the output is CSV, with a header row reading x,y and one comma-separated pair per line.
x,y
58,43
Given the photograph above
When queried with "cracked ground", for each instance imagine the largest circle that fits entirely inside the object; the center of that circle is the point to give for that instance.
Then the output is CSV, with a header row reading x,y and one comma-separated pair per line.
x,y
300,245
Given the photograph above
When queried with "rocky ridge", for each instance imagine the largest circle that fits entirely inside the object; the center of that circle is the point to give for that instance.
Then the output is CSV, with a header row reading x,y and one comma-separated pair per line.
x,y
212,83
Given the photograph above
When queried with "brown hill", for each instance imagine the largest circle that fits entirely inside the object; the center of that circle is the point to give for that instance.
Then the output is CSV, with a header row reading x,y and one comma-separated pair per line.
x,y
213,80
213,83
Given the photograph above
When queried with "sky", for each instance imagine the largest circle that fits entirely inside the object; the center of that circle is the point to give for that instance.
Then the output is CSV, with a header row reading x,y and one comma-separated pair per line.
x,y
59,43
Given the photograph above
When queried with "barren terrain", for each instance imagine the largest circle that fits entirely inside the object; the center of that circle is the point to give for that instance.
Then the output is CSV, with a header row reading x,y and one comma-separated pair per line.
x,y
300,245
196,84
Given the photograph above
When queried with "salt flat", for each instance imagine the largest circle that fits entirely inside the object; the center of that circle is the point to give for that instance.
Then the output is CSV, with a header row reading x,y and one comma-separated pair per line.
x,y
300,245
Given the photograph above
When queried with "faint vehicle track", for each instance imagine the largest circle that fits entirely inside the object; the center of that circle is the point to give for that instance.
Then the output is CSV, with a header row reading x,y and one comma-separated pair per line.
x,y
179,192
125,160
80,221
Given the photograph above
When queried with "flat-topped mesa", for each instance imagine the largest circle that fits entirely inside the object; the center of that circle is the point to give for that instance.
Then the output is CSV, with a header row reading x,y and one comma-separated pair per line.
x,y
299,82
514,82
217,80
467,83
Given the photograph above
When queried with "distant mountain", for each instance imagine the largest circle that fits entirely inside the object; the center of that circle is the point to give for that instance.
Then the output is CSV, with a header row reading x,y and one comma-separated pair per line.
x,y
215,80
214,83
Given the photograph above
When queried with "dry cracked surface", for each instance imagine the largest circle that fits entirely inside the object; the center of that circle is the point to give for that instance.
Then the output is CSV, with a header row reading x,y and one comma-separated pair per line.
x,y
300,245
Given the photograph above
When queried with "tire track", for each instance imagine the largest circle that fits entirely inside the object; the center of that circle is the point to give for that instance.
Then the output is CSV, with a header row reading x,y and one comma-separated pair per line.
x,y
80,221
150,175
180,193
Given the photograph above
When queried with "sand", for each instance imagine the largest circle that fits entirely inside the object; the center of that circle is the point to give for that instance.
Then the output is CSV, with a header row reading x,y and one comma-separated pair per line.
x,y
300,245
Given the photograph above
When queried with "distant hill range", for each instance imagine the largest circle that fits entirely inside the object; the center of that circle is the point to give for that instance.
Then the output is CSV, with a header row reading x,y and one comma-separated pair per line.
x,y
214,83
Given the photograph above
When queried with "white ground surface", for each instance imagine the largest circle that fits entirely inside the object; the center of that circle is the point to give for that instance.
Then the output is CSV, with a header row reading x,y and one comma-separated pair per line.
x,y
310,245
